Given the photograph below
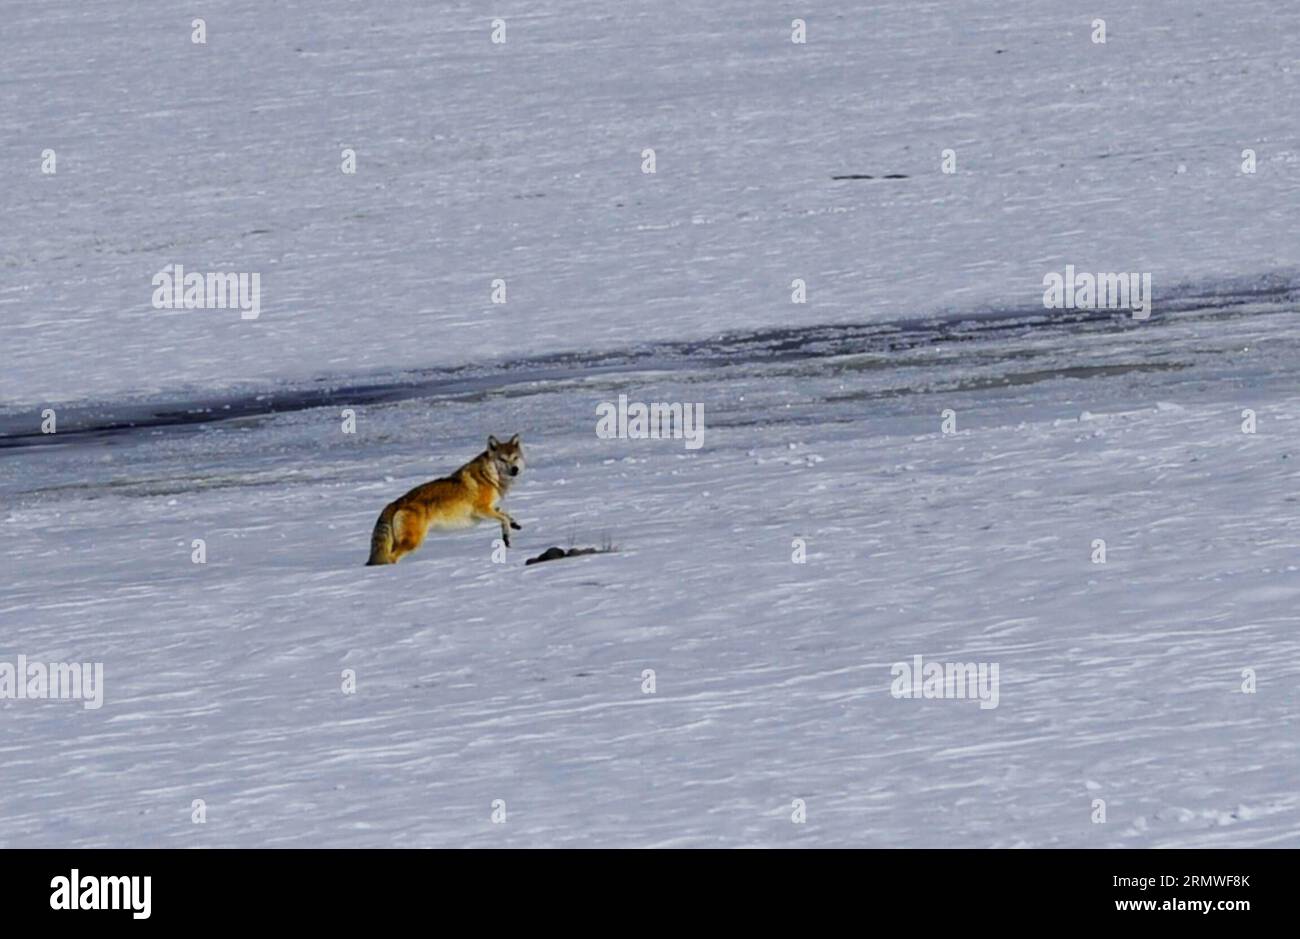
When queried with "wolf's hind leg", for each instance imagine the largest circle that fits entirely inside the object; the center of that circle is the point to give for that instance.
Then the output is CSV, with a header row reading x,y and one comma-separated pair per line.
x,y
408,533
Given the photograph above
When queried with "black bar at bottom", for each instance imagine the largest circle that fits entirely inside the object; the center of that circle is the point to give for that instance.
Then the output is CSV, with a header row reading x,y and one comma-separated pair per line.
x,y
621,889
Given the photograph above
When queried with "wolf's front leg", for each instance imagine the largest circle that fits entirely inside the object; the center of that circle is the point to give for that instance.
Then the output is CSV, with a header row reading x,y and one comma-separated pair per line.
x,y
505,521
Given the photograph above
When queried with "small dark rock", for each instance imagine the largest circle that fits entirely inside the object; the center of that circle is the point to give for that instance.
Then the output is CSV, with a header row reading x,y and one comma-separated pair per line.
x,y
553,553
550,554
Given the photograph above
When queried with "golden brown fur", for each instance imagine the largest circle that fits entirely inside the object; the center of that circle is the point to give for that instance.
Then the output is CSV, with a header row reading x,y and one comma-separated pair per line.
x,y
469,495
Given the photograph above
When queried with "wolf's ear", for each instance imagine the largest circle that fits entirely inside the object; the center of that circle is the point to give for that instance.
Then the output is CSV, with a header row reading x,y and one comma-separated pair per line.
x,y
493,443
513,441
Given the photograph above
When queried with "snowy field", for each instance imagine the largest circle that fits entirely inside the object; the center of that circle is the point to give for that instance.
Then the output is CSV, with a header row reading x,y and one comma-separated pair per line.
x,y
522,161
479,679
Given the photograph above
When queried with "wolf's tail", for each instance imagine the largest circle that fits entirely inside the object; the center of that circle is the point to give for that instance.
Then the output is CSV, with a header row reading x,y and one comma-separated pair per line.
x,y
381,540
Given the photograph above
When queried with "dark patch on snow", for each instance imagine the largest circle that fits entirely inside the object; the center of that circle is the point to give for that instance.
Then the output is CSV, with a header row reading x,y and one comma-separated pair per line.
x,y
554,554
93,421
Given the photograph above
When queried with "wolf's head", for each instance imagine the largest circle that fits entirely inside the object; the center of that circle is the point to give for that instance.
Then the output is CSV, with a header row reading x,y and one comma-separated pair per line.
x,y
508,456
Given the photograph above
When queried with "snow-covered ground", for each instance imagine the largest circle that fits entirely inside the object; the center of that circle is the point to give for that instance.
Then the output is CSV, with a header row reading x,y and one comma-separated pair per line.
x,y
479,681
522,161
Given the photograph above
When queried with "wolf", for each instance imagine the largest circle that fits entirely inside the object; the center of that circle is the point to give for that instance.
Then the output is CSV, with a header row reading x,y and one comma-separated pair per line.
x,y
467,496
